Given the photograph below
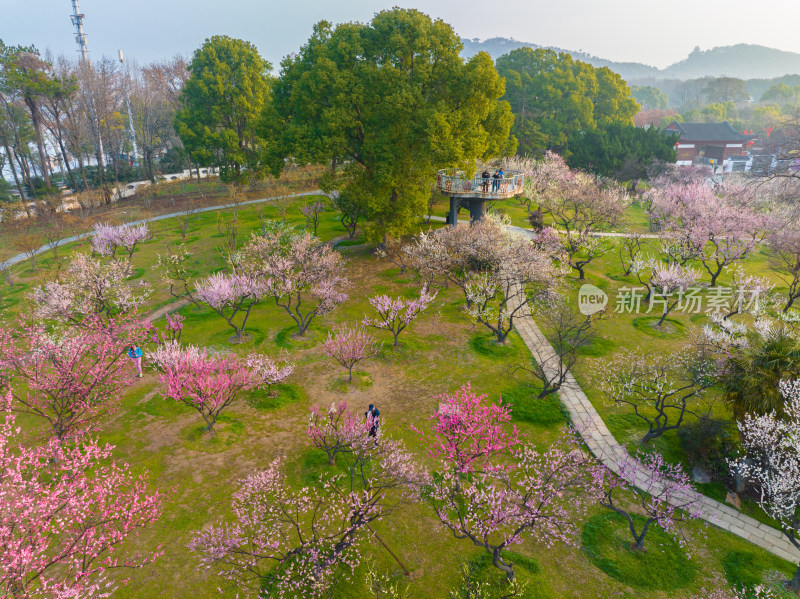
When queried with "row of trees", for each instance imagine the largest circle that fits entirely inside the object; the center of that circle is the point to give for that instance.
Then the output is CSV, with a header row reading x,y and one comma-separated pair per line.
x,y
57,114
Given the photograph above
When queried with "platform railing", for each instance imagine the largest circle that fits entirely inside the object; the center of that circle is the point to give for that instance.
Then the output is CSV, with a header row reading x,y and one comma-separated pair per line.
x,y
453,181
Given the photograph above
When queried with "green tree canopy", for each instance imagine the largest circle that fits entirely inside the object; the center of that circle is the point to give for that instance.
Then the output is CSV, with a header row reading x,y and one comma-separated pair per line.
x,y
389,102
561,96
649,97
620,151
227,89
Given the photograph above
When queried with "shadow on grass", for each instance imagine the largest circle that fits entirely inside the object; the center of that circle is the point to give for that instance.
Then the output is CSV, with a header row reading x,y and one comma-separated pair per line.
x,y
663,566
527,407
227,431
670,329
282,395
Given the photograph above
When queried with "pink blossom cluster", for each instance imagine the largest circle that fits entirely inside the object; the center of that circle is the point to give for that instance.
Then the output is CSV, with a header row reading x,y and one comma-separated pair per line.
x,y
336,429
349,346
265,371
469,433
89,286
108,238
395,314
231,294
65,510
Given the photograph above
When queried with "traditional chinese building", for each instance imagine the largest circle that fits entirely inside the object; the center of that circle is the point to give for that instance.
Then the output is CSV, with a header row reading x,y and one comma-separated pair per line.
x,y
707,143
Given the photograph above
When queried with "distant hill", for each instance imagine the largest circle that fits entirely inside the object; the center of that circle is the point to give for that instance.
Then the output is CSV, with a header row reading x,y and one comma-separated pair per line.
x,y
745,61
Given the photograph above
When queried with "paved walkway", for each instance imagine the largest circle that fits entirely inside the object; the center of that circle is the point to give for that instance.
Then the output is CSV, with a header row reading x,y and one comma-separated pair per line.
x,y
20,257
606,448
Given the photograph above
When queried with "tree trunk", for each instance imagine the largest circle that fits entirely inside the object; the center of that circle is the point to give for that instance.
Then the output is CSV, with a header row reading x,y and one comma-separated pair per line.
x,y
66,163
16,180
37,128
500,565
794,583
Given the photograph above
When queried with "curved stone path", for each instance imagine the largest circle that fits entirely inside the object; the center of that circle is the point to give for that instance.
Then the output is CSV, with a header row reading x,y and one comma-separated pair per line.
x,y
585,417
605,447
20,257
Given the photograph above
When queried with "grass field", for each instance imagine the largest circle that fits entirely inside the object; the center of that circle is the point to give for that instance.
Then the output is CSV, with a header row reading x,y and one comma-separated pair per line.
x,y
439,352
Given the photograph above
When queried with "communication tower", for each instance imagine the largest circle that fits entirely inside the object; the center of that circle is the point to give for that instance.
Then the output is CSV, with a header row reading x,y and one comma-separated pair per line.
x,y
80,35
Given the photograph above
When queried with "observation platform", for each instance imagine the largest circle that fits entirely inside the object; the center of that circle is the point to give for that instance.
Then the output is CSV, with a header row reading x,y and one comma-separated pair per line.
x,y
473,193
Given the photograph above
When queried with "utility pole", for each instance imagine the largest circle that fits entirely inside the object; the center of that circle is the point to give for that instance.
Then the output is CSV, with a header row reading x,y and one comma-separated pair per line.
x,y
130,117
80,38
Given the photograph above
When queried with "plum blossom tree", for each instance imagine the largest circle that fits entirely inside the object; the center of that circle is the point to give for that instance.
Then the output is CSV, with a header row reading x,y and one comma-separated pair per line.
x,y
579,205
700,223
662,390
395,314
538,498
311,212
173,327
169,353
772,463
208,384
784,242
666,283
70,379
302,274
267,372
108,238
63,518
662,492
89,287
175,272
349,346
231,294
499,272
469,433
335,430
299,542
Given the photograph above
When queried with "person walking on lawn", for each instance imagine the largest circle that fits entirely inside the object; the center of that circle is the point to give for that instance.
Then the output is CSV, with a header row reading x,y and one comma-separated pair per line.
x,y
135,354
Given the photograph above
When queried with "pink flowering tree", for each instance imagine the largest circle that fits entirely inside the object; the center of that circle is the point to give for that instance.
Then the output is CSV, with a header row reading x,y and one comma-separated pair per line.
x,y
64,518
662,492
173,327
267,372
698,222
579,205
498,271
667,284
784,241
89,287
662,390
232,296
334,430
71,379
395,314
772,463
299,542
169,353
539,498
303,275
470,434
208,384
349,346
107,238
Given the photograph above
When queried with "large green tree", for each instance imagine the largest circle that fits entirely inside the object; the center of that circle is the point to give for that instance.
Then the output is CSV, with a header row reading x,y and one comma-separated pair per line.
x,y
649,97
387,104
620,151
553,95
228,86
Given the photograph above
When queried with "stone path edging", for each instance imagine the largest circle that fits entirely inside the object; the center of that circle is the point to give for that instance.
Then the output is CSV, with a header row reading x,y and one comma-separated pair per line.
x,y
605,447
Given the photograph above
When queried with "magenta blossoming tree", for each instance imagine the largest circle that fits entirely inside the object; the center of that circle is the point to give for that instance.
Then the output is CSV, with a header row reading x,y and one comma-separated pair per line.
x,y
662,492
700,223
539,498
107,238
265,371
336,429
349,346
232,296
89,286
208,384
72,379
772,464
395,314
173,327
63,518
470,434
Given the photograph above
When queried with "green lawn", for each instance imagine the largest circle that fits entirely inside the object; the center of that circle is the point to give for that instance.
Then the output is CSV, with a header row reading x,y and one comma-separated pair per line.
x,y
438,353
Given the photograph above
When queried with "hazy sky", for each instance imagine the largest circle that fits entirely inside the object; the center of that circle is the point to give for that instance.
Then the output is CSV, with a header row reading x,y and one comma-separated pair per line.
x,y
656,33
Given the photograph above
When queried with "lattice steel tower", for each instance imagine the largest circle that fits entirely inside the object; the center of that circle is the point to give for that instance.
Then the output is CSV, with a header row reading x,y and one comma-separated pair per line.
x,y
80,36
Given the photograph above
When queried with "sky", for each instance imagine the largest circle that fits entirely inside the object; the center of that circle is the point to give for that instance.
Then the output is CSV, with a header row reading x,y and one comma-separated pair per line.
x,y
646,31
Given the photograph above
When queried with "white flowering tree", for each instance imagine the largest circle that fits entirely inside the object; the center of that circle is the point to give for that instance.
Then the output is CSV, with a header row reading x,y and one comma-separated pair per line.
x,y
772,463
